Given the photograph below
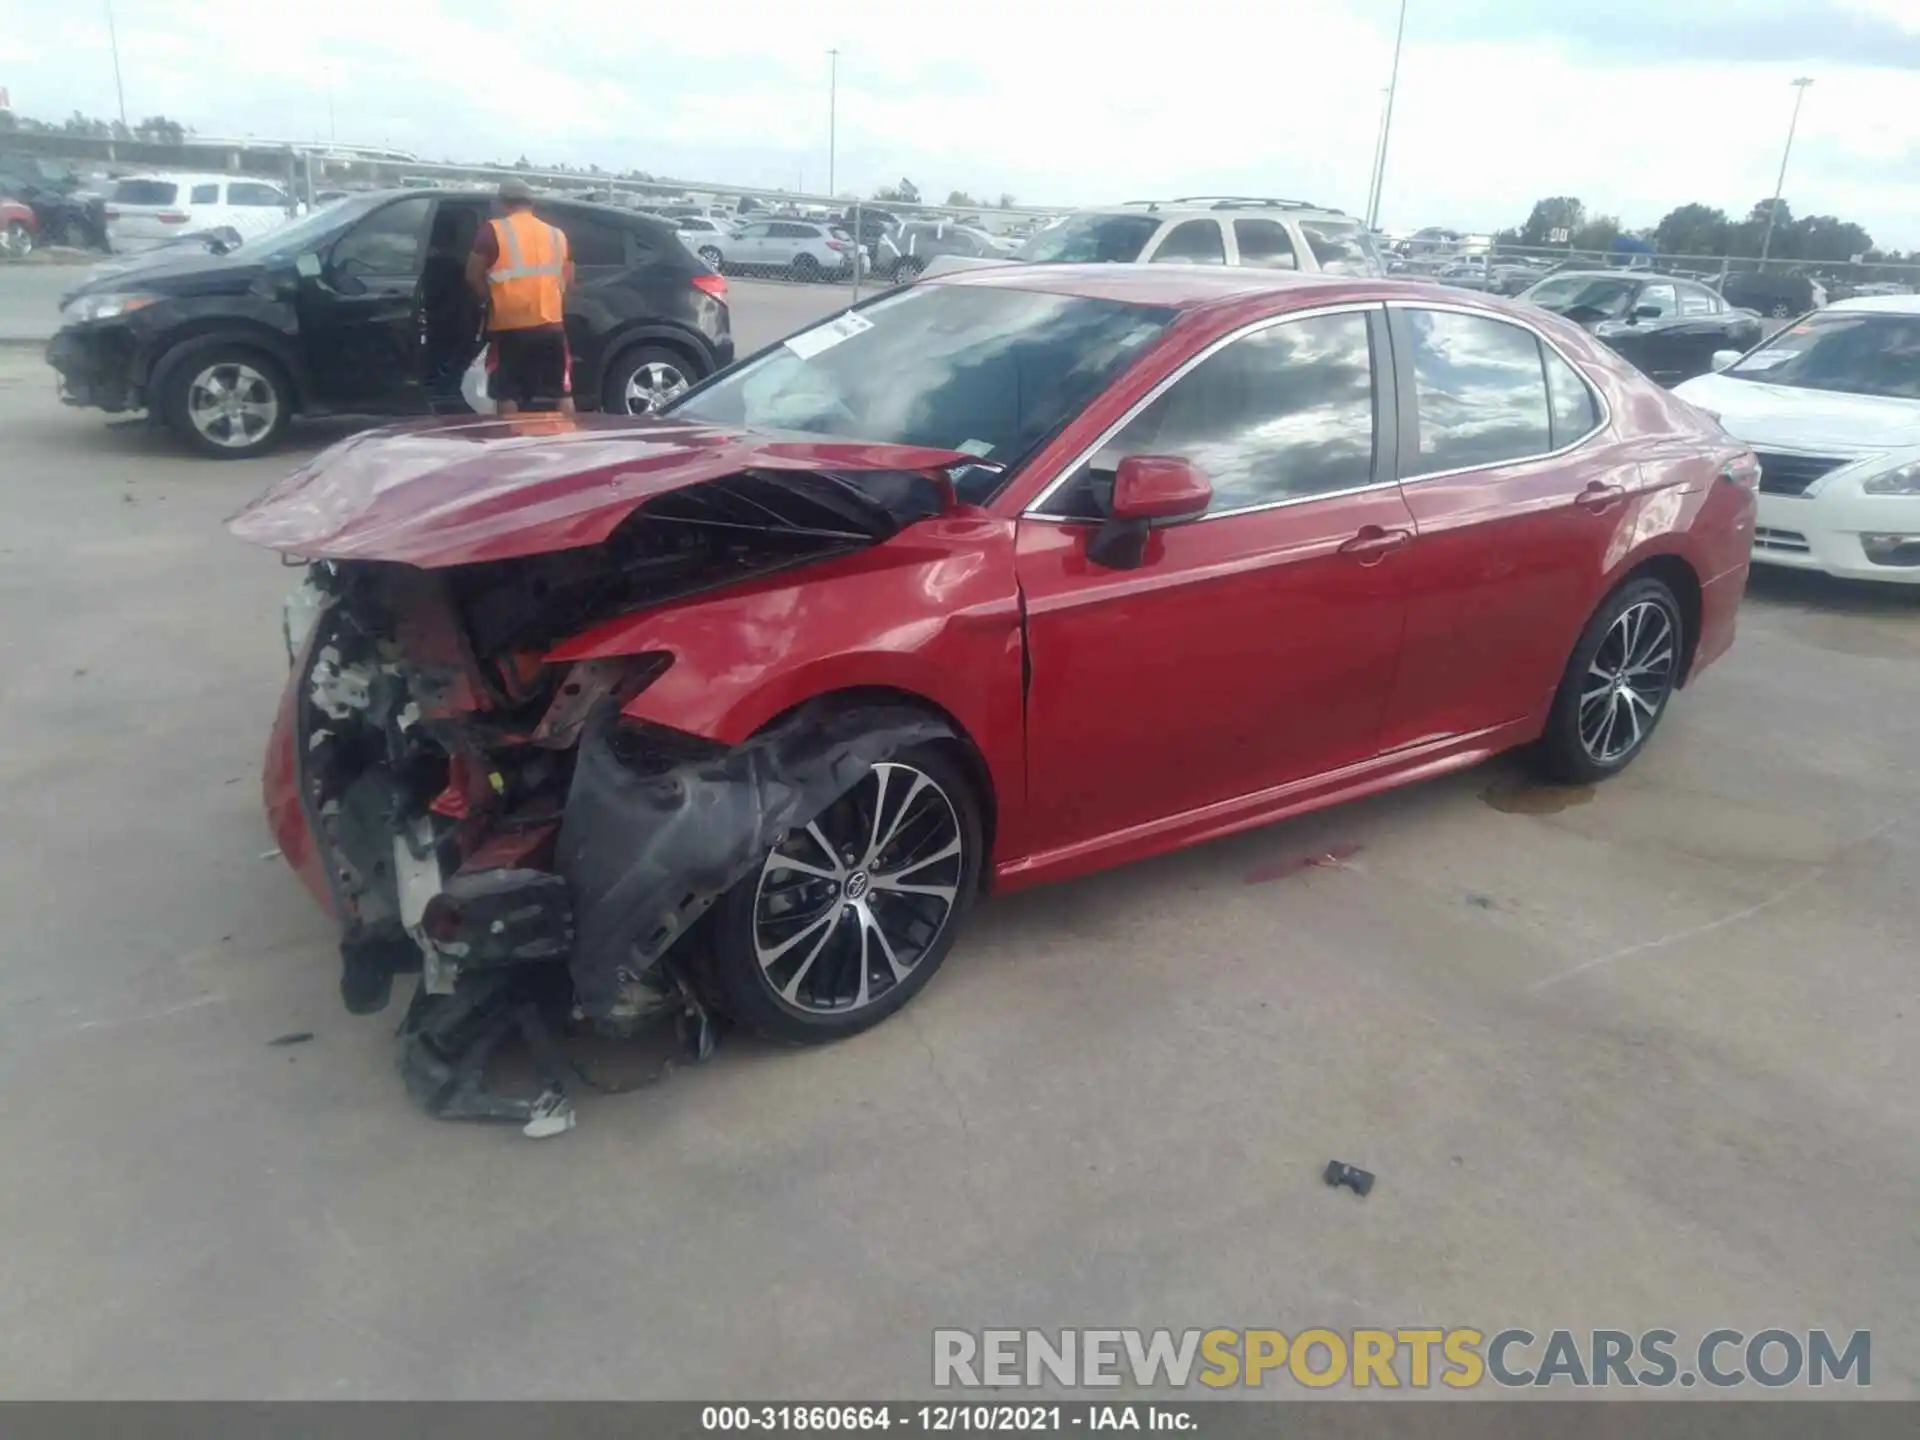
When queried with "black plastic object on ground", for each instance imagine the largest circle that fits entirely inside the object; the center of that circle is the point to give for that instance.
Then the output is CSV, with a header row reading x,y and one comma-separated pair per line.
x,y
1357,1180
651,838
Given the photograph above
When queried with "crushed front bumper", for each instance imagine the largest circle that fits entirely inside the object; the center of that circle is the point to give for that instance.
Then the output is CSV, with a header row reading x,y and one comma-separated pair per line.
x,y
99,365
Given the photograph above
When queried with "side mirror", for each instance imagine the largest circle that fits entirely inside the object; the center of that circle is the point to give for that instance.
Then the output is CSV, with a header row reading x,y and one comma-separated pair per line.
x,y
1146,489
1723,358
1646,312
308,266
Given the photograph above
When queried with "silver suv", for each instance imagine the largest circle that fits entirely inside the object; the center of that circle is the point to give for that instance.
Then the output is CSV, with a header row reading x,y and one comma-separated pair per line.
x,y
1262,233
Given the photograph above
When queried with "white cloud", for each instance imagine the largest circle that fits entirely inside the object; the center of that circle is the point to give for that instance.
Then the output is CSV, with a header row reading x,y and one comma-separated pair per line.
x,y
1060,103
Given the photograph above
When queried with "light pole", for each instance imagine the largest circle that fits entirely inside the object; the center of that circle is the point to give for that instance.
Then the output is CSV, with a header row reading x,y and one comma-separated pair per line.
x,y
1379,139
113,41
833,101
1773,210
1386,122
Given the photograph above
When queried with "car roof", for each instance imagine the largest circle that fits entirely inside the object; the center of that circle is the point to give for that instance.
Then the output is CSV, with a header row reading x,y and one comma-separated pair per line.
x,y
193,177
1620,274
1197,287
1880,304
1220,206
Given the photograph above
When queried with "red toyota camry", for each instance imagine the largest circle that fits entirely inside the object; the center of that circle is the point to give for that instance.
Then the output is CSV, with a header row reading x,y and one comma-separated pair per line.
x,y
996,579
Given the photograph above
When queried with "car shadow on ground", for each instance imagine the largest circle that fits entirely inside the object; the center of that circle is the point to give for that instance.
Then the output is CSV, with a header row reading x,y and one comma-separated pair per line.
x,y
1810,589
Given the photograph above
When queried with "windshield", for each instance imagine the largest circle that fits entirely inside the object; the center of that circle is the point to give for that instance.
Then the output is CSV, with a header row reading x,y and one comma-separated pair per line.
x,y
1582,292
1855,354
1111,239
987,372
310,232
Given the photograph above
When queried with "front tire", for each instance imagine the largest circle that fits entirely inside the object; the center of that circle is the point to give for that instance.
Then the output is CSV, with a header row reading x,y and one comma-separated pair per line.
x,y
1616,686
227,402
644,379
806,269
846,921
907,271
712,257
18,240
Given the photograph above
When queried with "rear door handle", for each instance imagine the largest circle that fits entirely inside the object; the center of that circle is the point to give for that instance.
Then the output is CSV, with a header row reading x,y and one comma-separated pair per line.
x,y
1372,544
1599,495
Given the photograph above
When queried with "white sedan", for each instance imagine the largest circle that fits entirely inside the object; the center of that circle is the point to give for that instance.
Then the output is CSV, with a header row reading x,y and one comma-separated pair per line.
x,y
1831,405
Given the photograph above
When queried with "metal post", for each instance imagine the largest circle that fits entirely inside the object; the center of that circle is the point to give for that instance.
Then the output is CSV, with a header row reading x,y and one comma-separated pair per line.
x,y
113,41
1386,123
1773,210
833,105
859,250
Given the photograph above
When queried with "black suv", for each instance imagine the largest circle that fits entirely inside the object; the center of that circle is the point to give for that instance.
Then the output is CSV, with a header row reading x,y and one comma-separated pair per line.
x,y
363,308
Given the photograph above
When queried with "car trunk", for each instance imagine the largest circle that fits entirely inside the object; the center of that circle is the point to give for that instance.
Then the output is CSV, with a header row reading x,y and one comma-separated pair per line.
x,y
145,212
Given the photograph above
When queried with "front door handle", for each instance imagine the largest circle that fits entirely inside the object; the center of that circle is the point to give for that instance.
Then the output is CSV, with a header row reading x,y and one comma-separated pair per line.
x,y
1599,495
1373,544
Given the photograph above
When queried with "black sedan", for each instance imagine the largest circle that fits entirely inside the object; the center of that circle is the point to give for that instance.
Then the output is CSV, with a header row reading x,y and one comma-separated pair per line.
x,y
363,308
1666,325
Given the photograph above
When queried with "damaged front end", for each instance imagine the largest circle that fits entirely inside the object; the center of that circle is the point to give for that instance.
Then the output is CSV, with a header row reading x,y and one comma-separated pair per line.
x,y
488,819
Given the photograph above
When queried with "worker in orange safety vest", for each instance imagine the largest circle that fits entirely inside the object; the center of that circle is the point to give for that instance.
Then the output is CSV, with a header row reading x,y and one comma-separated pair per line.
x,y
521,269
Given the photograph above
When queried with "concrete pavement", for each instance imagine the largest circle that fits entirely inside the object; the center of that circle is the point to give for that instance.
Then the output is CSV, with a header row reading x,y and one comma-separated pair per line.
x,y
1643,1056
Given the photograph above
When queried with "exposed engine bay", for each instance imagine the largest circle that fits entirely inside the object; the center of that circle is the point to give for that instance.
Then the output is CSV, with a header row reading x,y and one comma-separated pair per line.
x,y
490,820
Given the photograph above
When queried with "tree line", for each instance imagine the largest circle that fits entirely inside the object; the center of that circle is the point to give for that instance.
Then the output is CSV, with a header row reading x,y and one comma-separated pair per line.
x,y
1706,230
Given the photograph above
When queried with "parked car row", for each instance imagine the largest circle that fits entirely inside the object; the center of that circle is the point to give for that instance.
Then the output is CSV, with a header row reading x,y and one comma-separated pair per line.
x,y
363,307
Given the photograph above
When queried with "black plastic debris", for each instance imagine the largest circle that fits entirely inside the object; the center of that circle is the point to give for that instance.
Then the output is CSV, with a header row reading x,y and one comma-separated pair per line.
x,y
293,1037
1355,1179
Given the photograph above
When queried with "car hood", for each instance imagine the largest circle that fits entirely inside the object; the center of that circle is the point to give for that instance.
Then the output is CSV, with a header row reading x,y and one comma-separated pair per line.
x,y
1819,421
437,493
170,272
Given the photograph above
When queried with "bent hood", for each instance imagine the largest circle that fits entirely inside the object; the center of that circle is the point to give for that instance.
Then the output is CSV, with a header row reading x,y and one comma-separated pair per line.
x,y
458,492
1792,417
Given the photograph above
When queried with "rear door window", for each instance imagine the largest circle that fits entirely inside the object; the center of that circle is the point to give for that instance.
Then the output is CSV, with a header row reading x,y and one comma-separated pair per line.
x,y
1265,245
204,195
592,243
1341,247
145,192
1575,411
253,193
1192,242
1480,390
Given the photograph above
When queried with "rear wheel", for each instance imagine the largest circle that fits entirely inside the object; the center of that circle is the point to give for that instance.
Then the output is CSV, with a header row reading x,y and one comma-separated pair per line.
x,y
227,401
711,256
846,920
1780,310
907,271
805,268
17,240
1616,686
641,381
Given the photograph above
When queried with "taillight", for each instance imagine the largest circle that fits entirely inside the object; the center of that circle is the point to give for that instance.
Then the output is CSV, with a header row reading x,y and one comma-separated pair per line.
x,y
838,245
1743,470
172,217
714,285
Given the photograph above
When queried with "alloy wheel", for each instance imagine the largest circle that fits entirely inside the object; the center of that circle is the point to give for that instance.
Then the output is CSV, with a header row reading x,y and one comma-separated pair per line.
x,y
233,405
652,385
848,906
1627,682
16,240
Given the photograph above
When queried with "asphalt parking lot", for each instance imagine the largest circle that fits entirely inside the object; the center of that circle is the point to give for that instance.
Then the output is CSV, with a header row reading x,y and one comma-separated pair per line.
x,y
1637,1057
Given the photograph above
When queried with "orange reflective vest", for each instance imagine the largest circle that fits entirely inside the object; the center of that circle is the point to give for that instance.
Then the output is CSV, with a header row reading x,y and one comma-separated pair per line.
x,y
524,284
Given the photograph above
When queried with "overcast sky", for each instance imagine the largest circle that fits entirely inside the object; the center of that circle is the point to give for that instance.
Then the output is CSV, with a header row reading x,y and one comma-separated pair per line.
x,y
1634,105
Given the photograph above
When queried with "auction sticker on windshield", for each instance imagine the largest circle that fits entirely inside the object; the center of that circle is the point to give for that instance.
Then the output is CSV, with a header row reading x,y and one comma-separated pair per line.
x,y
809,343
